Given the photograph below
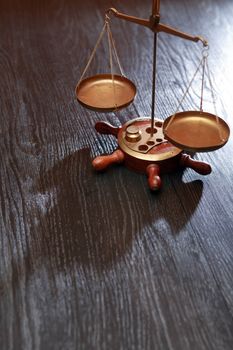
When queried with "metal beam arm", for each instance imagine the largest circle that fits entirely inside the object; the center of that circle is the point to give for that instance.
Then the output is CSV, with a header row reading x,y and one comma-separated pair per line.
x,y
154,25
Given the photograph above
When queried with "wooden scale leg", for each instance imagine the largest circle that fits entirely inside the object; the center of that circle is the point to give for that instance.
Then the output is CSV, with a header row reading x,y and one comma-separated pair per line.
x,y
103,162
154,180
153,170
200,167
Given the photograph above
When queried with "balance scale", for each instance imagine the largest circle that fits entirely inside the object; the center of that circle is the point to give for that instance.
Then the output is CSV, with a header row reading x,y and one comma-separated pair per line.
x,y
150,145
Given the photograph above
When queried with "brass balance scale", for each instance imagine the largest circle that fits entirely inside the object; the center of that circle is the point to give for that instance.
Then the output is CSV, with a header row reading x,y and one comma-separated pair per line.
x,y
150,145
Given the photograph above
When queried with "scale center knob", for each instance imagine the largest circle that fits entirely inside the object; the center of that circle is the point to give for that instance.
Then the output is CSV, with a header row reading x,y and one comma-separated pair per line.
x,y
133,133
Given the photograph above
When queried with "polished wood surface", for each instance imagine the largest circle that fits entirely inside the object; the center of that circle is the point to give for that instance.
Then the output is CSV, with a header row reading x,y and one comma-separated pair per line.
x,y
95,261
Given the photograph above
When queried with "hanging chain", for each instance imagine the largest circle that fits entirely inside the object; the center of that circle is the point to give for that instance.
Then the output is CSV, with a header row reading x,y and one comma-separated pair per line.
x,y
185,93
111,63
115,50
112,47
211,88
204,58
112,51
93,52
214,102
206,69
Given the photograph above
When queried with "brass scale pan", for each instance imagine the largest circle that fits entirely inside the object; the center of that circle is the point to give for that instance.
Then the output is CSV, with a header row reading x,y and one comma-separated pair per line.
x,y
196,131
106,92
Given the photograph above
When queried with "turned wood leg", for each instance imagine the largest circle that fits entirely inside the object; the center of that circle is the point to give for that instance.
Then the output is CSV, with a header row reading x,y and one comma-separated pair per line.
x,y
154,179
103,162
107,128
200,167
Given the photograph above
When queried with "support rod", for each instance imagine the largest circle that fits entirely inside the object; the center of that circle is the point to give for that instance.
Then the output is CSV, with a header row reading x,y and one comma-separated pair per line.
x,y
155,7
153,84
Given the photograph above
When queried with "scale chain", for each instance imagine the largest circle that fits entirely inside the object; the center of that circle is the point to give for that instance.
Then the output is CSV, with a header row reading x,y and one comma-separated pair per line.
x,y
205,71
185,94
202,81
112,48
115,51
213,100
211,88
111,65
93,53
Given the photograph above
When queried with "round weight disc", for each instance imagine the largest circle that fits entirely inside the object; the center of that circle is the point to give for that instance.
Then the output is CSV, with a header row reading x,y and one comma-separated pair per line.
x,y
196,131
105,93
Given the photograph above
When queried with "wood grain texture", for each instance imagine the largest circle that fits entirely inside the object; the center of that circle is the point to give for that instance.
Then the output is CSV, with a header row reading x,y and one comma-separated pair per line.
x,y
95,261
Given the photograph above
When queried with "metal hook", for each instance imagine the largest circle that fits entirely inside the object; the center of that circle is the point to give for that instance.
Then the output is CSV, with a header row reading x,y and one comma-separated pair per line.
x,y
205,52
109,12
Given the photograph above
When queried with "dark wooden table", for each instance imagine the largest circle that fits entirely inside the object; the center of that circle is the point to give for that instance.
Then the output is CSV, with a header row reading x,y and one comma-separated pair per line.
x,y
96,261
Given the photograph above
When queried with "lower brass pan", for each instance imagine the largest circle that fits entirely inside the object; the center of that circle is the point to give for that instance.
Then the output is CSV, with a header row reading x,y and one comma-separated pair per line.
x,y
104,94
196,131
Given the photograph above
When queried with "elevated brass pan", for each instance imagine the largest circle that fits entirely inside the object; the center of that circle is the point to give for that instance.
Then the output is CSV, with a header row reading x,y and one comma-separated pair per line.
x,y
196,131
105,93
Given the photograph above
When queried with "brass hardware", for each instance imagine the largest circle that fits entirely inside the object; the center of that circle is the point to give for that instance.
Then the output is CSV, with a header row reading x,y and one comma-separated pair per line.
x,y
143,149
146,140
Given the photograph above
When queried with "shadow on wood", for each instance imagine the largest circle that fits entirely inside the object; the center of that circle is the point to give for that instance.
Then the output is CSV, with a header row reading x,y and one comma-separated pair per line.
x,y
77,226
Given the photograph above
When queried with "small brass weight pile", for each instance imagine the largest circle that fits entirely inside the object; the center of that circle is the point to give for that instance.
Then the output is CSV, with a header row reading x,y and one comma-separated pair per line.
x,y
150,145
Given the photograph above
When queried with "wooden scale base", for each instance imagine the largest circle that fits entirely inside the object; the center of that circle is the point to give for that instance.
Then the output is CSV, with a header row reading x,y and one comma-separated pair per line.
x,y
146,152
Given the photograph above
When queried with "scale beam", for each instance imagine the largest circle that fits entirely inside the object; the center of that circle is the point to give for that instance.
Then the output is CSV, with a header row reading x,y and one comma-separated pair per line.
x,y
153,23
170,30
140,21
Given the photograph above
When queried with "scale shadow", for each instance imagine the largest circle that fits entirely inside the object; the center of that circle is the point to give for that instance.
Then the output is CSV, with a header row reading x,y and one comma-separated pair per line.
x,y
93,219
